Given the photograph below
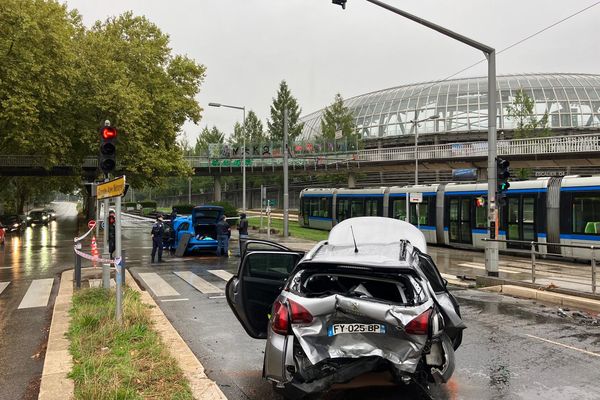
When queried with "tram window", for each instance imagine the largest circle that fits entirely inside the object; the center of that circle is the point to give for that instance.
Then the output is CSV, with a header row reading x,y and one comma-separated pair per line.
x,y
357,208
372,207
343,209
324,207
399,209
528,210
481,217
306,206
423,212
586,214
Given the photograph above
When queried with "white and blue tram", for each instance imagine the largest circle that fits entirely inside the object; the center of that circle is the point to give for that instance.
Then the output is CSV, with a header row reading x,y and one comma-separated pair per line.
x,y
554,210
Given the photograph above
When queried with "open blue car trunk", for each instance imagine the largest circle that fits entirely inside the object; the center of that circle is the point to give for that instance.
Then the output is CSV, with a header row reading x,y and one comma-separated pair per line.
x,y
203,228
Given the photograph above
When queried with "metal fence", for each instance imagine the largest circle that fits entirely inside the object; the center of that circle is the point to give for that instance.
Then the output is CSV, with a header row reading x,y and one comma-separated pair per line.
x,y
535,264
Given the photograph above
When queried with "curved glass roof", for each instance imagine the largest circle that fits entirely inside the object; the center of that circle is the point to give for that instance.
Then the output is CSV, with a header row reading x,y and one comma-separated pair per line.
x,y
571,101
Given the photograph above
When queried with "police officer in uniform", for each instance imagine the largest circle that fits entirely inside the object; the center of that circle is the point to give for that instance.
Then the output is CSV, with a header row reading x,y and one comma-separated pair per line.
x,y
158,229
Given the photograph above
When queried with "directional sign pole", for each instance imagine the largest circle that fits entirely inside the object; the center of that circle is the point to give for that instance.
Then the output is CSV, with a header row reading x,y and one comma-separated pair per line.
x,y
105,252
118,265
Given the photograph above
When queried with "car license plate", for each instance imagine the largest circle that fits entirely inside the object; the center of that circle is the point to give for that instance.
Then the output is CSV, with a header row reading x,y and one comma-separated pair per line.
x,y
338,329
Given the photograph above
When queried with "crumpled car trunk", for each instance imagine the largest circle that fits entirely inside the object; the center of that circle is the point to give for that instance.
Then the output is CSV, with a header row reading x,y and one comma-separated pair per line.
x,y
338,298
208,231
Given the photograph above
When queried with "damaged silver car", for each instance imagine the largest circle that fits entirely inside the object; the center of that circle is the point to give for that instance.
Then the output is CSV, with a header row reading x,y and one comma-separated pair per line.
x,y
369,299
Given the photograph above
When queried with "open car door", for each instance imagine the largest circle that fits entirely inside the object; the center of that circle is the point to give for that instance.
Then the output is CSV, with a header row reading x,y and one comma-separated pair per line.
x,y
263,271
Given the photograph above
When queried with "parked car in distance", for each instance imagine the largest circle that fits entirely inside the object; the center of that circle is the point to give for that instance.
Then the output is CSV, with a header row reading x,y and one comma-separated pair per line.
x,y
2,235
369,299
201,227
51,213
38,217
13,223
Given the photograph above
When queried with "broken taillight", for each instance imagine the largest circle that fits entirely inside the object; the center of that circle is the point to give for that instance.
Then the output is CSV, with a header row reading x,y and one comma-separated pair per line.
x,y
281,319
291,312
419,325
300,315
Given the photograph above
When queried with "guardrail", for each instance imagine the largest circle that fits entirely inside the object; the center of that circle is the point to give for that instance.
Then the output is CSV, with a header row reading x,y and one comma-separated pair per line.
x,y
533,252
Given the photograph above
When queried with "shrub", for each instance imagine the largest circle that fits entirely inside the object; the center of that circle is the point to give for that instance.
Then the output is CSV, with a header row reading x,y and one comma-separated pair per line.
x,y
148,204
184,208
229,209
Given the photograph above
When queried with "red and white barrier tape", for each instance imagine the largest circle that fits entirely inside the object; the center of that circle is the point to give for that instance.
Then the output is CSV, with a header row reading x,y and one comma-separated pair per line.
x,y
93,258
80,238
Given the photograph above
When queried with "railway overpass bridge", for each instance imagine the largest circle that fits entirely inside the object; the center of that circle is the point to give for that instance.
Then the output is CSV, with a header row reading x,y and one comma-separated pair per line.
x,y
572,151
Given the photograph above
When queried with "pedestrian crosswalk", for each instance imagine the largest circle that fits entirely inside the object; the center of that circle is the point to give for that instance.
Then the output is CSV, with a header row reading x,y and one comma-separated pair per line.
x,y
37,293
161,288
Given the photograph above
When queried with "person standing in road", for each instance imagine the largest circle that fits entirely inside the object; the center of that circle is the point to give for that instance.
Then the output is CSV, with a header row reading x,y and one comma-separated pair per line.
x,y
243,231
157,232
223,232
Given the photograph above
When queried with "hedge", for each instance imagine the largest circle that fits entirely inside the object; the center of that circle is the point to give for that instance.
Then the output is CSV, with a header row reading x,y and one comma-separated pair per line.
x,y
148,204
184,208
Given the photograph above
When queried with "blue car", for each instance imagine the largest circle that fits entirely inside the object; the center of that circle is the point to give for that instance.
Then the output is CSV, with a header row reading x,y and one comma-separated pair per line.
x,y
202,226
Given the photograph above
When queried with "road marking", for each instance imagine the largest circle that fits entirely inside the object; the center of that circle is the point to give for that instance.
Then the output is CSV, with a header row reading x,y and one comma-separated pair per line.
x,y
217,297
96,283
221,273
158,285
481,266
38,293
3,286
200,284
564,345
163,300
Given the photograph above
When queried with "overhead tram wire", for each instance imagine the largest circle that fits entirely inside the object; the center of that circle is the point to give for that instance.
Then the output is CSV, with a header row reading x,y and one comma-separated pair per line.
x,y
510,46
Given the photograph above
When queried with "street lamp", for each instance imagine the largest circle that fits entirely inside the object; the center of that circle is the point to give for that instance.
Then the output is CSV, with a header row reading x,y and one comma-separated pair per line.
x,y
243,148
416,125
491,247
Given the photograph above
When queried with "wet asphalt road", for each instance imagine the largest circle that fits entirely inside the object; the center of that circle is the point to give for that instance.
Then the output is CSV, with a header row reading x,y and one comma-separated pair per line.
x,y
512,349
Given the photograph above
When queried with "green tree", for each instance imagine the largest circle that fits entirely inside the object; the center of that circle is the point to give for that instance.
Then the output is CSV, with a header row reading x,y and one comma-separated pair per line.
x,y
522,111
206,137
284,100
130,76
253,129
337,117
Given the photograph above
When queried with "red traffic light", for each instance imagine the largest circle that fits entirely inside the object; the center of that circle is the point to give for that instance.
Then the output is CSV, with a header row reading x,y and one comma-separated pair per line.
x,y
108,132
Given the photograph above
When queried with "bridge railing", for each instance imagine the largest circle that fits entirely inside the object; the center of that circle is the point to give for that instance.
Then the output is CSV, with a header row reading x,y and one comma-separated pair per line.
x,y
513,147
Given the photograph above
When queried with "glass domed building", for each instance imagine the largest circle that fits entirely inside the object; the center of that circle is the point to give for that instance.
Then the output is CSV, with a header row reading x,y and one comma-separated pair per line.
x,y
571,101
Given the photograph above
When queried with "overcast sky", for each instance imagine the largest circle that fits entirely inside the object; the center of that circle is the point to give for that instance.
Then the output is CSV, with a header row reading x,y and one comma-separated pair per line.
x,y
249,46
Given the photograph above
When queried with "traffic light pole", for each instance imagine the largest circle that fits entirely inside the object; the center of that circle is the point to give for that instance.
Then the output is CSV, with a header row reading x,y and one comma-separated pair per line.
x,y
491,249
105,252
119,264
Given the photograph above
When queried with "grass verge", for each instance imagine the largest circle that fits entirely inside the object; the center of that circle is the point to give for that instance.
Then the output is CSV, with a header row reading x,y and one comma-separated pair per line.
x,y
120,361
295,229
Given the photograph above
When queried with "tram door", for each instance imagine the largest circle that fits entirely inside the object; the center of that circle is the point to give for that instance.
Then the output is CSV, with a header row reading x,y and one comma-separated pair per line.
x,y
521,221
459,230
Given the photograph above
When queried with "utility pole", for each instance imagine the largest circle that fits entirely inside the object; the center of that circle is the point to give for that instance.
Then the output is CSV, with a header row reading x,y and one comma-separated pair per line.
x,y
286,199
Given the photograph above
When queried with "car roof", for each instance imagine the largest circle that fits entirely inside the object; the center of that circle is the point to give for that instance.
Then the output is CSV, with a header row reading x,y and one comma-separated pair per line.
x,y
370,242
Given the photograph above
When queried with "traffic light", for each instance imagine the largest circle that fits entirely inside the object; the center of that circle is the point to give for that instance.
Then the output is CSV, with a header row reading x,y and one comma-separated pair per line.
x,y
108,149
502,174
480,202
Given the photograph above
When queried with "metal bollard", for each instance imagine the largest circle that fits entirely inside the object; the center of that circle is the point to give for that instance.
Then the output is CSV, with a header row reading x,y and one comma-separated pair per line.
x,y
77,271
532,262
593,271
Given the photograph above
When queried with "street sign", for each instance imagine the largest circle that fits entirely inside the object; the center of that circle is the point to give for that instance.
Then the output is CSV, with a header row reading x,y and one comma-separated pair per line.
x,y
91,224
416,197
464,174
114,188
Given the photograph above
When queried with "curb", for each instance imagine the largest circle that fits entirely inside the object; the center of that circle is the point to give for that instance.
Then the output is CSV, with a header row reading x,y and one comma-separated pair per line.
x,y
203,388
58,362
456,281
566,300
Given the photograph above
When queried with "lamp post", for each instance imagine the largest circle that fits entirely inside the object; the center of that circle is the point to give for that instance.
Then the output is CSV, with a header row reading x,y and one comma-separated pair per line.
x,y
243,148
491,248
416,126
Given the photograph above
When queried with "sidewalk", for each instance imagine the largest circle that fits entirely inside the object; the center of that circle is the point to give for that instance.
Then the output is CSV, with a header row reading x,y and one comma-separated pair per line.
x,y
58,361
